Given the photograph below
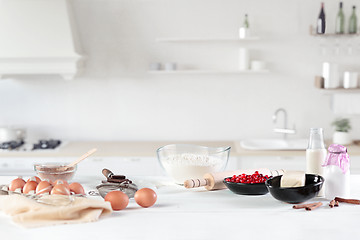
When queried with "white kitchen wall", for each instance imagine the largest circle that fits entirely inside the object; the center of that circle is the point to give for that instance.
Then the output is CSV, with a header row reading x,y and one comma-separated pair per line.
x,y
116,99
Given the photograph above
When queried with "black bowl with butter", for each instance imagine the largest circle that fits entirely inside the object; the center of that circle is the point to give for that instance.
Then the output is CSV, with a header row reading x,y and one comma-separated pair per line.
x,y
313,185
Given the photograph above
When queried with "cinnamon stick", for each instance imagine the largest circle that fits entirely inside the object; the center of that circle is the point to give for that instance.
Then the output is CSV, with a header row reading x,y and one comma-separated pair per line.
x,y
299,206
318,204
351,201
336,203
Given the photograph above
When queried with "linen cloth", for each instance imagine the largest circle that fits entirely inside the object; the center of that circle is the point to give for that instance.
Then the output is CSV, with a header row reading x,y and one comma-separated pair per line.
x,y
53,209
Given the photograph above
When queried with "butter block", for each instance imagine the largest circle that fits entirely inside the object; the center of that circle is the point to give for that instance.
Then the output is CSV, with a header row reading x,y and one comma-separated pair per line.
x,y
293,179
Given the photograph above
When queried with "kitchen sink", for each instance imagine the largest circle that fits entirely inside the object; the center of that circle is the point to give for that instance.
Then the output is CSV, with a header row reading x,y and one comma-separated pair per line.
x,y
274,144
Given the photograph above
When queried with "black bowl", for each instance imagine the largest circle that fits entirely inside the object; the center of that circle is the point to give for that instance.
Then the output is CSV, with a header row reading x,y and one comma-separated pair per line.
x,y
313,184
246,188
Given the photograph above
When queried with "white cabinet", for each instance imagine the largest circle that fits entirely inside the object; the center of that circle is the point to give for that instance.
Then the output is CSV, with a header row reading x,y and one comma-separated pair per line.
x,y
286,163
24,166
273,162
128,166
355,165
90,167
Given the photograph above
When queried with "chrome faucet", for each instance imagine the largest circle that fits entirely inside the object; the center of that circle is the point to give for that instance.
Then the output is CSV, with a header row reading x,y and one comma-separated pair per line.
x,y
285,130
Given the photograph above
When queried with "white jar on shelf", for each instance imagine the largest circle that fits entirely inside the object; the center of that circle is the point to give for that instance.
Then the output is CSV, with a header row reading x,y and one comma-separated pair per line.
x,y
244,59
258,65
350,80
244,33
330,73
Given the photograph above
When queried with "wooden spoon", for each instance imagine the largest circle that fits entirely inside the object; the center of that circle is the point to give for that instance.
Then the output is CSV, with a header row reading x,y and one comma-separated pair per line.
x,y
80,159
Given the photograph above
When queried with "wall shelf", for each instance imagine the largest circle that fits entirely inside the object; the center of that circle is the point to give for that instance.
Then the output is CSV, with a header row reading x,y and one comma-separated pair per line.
x,y
179,72
339,90
206,40
334,35
179,40
331,35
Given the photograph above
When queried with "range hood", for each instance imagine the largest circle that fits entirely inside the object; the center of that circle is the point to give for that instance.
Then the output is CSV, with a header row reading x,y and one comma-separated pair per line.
x,y
37,37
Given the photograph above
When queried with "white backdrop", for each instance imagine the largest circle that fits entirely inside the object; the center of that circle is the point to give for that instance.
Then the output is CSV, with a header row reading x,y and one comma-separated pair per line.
x,y
115,99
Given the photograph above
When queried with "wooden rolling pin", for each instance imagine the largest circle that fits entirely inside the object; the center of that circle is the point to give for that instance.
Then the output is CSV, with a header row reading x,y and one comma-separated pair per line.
x,y
214,181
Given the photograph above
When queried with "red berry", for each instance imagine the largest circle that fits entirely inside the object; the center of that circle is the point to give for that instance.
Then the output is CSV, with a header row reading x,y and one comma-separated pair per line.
x,y
256,177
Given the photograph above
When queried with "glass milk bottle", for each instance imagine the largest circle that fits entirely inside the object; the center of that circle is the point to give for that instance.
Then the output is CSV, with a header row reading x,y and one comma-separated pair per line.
x,y
337,172
316,154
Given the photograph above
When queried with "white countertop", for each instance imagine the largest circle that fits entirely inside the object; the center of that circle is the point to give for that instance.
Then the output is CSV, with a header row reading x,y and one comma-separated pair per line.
x,y
198,214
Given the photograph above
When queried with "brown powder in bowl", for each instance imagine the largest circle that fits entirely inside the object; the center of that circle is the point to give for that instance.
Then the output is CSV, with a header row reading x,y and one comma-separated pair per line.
x,y
55,171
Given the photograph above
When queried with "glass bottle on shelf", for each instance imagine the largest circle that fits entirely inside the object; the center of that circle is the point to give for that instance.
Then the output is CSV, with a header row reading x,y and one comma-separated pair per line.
x,y
246,22
320,25
244,31
353,22
340,21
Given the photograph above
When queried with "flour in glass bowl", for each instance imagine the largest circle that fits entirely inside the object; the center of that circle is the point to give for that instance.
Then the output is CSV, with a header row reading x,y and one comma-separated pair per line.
x,y
188,166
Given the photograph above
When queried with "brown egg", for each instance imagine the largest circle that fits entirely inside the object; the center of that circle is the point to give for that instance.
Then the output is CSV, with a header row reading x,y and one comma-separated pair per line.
x,y
60,189
61,182
77,188
43,187
118,200
48,180
30,187
17,183
35,179
145,197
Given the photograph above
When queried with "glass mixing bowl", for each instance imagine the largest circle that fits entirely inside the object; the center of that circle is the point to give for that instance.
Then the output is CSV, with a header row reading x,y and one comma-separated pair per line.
x,y
186,161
